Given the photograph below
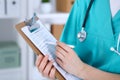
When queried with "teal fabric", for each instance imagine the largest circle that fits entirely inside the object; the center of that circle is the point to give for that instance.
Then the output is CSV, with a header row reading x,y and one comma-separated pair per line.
x,y
102,33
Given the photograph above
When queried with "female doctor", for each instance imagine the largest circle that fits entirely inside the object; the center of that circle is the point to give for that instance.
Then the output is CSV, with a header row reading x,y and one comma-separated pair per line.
x,y
93,28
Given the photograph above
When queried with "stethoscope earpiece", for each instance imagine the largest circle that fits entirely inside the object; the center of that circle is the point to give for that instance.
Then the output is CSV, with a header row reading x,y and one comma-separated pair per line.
x,y
118,43
113,49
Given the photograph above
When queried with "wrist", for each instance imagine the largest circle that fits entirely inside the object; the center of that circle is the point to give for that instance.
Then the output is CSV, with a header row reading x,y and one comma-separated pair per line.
x,y
83,72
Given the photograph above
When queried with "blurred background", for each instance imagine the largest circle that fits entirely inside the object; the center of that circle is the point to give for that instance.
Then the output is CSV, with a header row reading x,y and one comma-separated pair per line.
x,y
17,60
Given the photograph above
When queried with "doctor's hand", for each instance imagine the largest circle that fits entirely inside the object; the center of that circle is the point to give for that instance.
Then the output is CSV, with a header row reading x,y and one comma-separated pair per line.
x,y
68,59
46,67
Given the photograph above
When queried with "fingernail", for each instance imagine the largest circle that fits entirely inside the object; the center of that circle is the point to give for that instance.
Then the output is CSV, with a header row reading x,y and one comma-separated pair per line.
x,y
52,61
39,56
47,56
55,59
57,42
55,46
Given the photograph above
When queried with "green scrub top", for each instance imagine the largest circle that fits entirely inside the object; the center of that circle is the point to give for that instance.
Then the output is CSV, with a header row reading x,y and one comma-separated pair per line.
x,y
102,34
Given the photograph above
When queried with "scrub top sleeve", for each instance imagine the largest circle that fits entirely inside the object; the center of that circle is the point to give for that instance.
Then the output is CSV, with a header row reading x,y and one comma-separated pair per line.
x,y
69,34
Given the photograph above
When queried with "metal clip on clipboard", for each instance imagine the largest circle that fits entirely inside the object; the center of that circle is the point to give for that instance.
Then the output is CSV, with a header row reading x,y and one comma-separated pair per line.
x,y
32,23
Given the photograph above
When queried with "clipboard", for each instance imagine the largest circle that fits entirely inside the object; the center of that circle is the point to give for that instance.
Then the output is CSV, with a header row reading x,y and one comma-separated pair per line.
x,y
34,48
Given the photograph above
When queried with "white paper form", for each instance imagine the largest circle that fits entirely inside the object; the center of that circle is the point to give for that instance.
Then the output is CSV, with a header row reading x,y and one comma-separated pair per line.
x,y
40,38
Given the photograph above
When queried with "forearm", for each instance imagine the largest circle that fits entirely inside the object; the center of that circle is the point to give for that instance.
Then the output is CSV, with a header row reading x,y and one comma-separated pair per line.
x,y
91,73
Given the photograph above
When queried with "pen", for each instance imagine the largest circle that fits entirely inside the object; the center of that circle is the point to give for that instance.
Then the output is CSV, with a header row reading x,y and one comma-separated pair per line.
x,y
52,43
71,46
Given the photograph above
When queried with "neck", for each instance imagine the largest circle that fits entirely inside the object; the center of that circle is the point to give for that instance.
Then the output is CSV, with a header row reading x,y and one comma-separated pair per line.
x,y
115,6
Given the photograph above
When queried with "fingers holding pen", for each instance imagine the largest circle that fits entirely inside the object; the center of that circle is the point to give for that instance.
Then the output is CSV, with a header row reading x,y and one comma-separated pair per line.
x,y
63,46
60,52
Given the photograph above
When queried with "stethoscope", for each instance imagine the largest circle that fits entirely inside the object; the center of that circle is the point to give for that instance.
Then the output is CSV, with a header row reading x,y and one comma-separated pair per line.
x,y
82,34
118,44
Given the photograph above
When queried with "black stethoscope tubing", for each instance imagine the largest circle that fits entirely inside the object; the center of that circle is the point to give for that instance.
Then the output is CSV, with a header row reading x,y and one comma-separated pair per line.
x,y
87,13
82,34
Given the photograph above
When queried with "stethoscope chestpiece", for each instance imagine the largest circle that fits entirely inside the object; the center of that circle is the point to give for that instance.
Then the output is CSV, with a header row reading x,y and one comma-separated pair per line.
x,y
82,35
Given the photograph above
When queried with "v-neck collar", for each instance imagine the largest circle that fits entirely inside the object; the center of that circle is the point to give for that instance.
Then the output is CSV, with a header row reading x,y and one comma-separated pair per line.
x,y
115,7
